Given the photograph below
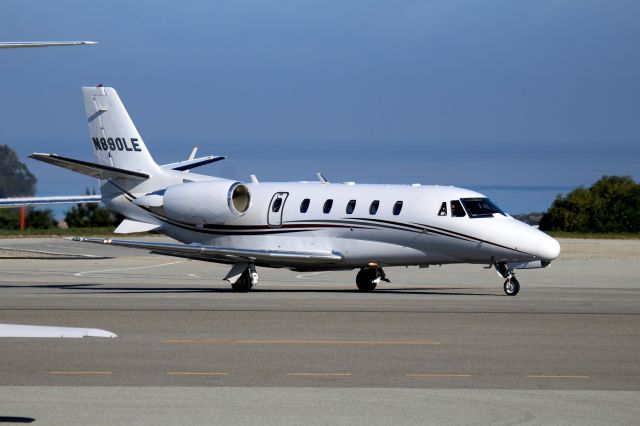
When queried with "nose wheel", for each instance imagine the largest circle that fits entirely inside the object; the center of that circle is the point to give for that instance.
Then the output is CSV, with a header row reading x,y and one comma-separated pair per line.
x,y
511,286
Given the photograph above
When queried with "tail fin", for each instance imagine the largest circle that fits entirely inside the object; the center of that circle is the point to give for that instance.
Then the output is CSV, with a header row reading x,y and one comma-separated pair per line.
x,y
115,139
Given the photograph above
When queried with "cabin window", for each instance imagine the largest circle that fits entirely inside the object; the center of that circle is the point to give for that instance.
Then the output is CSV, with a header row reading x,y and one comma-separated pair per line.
x,y
443,209
373,208
304,206
327,206
397,208
480,207
277,203
351,206
456,209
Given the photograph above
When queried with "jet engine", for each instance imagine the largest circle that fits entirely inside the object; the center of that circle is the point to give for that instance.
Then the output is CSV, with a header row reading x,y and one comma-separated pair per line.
x,y
208,202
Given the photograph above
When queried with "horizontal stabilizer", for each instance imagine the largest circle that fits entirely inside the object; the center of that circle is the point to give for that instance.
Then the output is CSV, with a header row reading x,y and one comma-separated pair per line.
x,y
98,171
129,226
15,330
192,164
36,201
233,254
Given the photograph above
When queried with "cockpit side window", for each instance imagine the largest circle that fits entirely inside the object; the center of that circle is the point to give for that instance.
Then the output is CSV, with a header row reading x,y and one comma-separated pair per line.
x,y
456,209
443,209
481,207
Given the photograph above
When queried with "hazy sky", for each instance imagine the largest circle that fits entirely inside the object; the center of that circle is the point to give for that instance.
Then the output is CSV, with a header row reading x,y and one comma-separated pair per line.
x,y
492,95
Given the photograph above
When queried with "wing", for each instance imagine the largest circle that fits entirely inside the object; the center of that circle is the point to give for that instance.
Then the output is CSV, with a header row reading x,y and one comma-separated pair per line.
x,y
36,201
15,330
95,170
19,44
201,252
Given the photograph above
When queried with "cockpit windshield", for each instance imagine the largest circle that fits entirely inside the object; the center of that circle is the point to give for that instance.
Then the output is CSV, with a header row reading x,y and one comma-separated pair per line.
x,y
480,207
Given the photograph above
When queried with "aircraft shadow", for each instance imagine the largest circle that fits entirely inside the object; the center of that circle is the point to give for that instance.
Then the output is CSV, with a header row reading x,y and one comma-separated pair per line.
x,y
71,257
100,289
15,419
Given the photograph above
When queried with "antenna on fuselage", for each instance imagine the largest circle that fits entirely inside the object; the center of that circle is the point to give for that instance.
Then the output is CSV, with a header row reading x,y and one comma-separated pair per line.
x,y
321,178
193,152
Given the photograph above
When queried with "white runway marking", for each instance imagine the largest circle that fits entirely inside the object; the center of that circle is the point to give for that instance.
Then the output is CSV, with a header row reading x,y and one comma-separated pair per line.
x,y
193,276
304,276
64,247
82,274
46,252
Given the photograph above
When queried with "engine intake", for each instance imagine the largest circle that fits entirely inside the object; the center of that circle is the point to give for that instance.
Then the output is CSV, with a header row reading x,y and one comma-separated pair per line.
x,y
206,202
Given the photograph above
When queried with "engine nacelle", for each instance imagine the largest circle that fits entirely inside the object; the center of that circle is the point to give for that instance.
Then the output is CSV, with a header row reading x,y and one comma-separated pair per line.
x,y
208,202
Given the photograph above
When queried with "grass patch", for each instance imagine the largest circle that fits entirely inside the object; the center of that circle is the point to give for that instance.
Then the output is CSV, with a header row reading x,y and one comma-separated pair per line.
x,y
595,235
55,232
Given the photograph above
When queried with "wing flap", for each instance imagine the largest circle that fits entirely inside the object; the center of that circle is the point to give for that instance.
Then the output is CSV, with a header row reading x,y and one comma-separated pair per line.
x,y
235,254
95,170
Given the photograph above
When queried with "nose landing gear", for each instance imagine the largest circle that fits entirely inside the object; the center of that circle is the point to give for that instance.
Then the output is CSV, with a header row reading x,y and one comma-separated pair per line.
x,y
511,285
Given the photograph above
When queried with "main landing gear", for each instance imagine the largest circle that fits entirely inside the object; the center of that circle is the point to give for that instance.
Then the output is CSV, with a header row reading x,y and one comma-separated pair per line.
x,y
368,278
242,277
511,285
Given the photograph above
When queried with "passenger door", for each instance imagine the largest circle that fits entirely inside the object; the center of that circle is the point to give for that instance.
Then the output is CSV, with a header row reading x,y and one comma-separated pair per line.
x,y
276,208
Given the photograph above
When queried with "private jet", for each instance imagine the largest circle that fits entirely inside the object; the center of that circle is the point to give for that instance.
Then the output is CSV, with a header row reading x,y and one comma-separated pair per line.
x,y
302,226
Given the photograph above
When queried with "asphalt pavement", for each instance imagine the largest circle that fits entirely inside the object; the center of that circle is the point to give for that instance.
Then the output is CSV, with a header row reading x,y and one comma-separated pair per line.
x,y
437,345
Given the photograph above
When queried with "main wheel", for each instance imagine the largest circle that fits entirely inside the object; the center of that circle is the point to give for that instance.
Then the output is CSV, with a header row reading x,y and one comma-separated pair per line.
x,y
511,286
243,284
367,279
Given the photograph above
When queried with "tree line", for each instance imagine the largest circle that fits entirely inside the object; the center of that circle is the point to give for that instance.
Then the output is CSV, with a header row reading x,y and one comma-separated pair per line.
x,y
612,204
17,181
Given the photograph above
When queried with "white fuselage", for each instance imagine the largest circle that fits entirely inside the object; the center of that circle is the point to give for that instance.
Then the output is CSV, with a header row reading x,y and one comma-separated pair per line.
x,y
419,234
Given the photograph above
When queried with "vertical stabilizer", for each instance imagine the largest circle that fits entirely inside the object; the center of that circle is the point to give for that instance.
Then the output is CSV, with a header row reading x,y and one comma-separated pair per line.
x,y
114,138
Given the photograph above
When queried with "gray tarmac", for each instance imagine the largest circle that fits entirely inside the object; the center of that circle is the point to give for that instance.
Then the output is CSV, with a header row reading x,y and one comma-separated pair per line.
x,y
441,345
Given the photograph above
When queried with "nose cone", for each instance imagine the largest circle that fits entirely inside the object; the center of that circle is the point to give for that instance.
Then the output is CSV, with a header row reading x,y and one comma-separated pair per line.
x,y
548,247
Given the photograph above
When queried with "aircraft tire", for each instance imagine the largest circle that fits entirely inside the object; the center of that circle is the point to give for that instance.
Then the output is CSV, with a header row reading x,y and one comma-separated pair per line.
x,y
511,286
366,279
243,285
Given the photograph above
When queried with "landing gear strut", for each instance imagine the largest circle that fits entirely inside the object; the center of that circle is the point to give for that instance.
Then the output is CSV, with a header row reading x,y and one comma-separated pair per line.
x,y
368,278
511,285
246,281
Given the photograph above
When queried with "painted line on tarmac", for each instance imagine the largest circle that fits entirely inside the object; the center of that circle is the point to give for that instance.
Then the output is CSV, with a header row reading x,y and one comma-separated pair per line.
x,y
304,276
80,373
52,253
318,374
303,342
82,274
197,373
557,376
458,375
